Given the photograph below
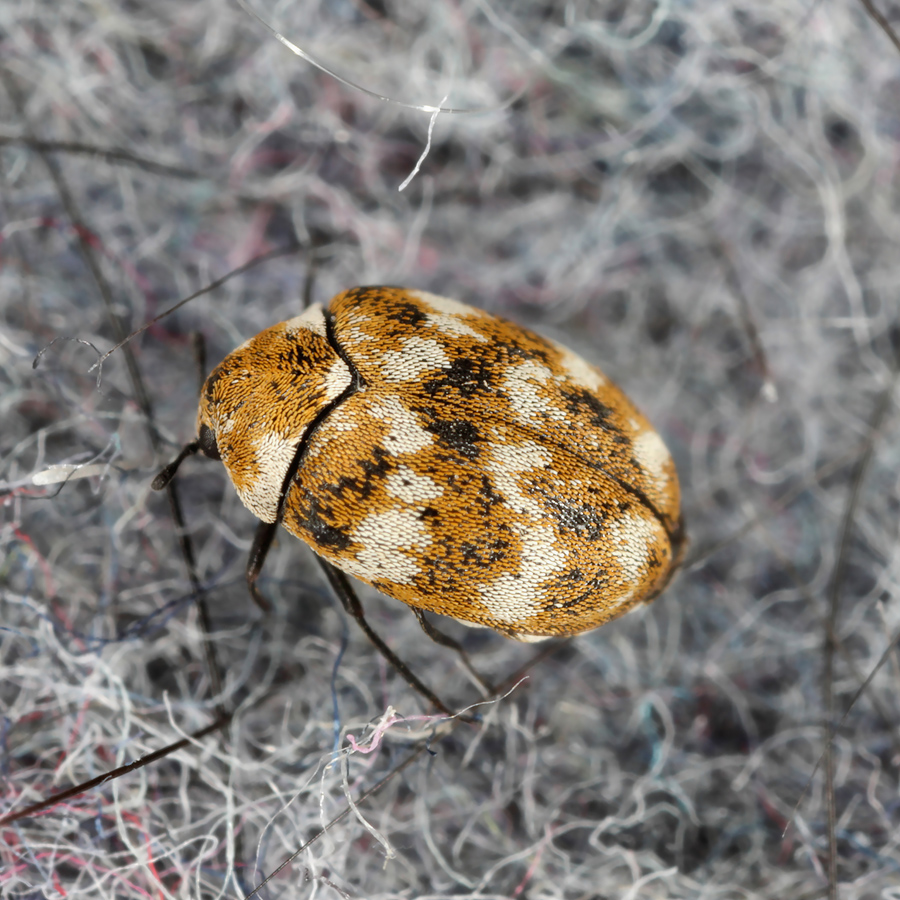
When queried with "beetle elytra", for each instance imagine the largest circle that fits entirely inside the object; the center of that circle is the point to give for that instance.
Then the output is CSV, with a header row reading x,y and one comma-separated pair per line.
x,y
454,460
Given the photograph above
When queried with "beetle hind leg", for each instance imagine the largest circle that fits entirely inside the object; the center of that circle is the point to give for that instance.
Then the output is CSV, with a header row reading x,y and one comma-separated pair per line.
x,y
446,641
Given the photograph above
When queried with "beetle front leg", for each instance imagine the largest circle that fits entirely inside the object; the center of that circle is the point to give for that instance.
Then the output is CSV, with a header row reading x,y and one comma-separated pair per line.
x,y
262,541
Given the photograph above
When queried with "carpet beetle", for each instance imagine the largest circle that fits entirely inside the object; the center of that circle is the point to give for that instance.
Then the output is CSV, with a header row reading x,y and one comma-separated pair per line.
x,y
451,459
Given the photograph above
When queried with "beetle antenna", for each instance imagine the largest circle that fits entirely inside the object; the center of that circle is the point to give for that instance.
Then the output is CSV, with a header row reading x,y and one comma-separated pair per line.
x,y
161,482
198,344
257,260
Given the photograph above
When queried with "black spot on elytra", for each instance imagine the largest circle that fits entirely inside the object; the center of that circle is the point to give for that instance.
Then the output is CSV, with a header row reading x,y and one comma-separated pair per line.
x,y
484,555
582,405
322,532
587,522
488,498
278,390
508,351
295,360
589,591
407,314
465,377
374,471
376,468
458,435
366,291
439,572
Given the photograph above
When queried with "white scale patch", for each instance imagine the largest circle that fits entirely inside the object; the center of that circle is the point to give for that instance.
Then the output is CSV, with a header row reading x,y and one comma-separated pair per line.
x,y
388,539
274,453
412,488
580,372
652,455
449,316
630,539
312,319
337,380
321,443
406,434
508,460
337,421
513,597
455,327
446,305
521,384
357,336
419,355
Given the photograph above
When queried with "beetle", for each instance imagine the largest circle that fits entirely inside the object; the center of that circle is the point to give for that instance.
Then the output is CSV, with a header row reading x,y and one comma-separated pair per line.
x,y
454,460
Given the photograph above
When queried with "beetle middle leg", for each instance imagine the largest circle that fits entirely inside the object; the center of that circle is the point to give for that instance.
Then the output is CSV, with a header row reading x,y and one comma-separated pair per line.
x,y
262,541
342,587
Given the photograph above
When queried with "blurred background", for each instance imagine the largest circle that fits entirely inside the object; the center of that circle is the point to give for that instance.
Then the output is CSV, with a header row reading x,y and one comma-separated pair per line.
x,y
701,198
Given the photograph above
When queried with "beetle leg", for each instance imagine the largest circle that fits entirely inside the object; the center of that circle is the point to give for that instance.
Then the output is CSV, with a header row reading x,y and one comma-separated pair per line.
x,y
342,587
262,541
161,482
446,641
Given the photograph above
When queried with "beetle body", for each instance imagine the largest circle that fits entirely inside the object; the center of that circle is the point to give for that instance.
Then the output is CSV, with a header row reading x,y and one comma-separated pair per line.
x,y
454,460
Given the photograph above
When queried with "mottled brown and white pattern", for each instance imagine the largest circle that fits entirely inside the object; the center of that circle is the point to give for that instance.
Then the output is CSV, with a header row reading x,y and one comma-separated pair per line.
x,y
458,462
